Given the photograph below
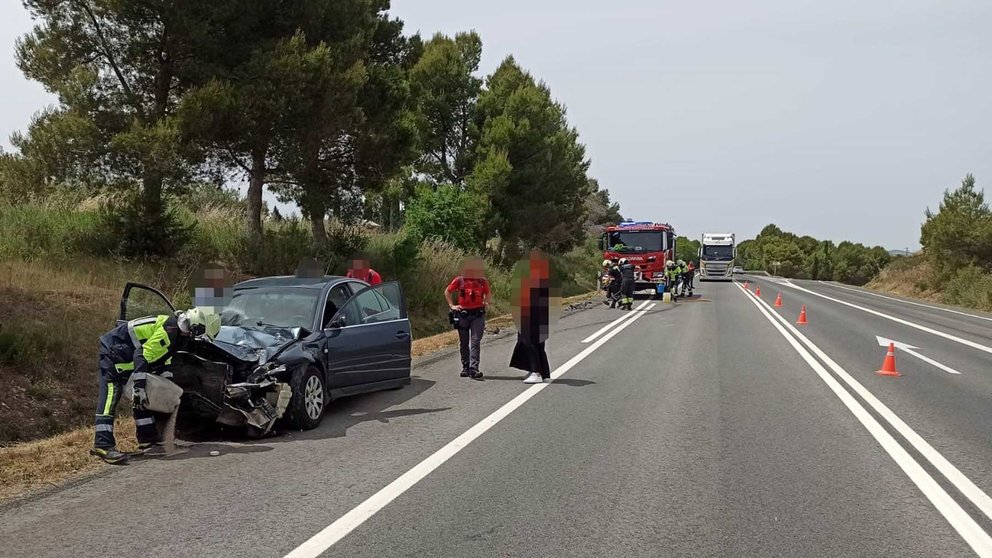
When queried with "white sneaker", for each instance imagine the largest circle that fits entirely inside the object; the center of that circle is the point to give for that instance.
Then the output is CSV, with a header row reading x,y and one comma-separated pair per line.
x,y
533,378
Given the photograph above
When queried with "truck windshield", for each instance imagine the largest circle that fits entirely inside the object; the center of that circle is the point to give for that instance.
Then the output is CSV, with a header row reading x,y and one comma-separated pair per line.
x,y
637,241
718,252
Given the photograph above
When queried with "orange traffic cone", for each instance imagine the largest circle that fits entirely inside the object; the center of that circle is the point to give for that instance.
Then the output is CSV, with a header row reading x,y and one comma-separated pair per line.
x,y
802,317
778,301
757,291
746,287
889,364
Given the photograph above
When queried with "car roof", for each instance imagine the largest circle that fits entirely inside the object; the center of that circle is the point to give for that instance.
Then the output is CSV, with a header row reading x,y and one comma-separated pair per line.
x,y
292,281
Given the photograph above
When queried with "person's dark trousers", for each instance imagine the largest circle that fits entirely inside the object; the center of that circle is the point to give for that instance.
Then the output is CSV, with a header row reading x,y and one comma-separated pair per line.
x,y
111,386
471,328
614,295
627,290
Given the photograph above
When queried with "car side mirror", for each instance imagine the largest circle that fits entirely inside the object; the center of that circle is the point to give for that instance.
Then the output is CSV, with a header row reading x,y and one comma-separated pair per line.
x,y
302,333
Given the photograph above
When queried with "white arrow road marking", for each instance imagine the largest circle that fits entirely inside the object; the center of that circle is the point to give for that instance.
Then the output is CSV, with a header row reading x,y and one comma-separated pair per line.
x,y
909,349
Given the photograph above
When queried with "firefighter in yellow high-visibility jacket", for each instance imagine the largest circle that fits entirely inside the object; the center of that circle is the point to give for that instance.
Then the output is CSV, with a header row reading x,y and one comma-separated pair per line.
x,y
138,348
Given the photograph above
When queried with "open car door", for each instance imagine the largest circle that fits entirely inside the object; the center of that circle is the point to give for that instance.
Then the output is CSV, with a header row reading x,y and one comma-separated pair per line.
x,y
139,301
368,340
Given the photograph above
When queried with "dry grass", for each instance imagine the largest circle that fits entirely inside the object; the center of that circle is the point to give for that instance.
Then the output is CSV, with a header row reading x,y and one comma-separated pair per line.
x,y
909,277
28,467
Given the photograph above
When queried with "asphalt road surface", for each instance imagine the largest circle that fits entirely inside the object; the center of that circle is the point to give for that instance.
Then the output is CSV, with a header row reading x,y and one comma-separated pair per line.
x,y
705,428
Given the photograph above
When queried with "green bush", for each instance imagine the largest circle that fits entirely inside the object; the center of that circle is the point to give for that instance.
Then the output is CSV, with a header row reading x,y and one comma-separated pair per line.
x,y
283,246
447,214
971,287
32,232
132,231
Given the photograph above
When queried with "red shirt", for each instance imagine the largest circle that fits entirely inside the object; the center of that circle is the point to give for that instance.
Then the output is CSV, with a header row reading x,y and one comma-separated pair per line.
x,y
371,276
470,292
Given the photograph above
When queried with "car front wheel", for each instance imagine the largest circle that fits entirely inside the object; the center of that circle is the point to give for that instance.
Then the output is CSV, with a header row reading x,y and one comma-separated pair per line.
x,y
306,408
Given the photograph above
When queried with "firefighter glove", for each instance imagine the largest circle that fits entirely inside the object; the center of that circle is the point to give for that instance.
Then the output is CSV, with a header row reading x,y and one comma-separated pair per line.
x,y
140,400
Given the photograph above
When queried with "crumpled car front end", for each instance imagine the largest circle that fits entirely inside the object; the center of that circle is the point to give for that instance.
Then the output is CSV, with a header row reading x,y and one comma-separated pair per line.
x,y
234,381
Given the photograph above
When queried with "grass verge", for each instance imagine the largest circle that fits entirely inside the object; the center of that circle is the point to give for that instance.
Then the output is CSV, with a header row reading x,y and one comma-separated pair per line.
x,y
29,467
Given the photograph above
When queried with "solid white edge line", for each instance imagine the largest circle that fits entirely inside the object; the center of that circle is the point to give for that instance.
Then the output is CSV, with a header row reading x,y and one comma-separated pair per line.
x,y
607,327
963,523
932,331
894,299
350,521
946,468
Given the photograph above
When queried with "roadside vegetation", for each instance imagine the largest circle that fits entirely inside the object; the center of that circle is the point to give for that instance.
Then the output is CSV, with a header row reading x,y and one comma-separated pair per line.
x,y
955,265
388,145
803,257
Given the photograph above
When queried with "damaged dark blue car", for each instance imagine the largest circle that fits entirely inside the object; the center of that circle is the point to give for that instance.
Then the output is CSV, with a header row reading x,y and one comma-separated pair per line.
x,y
288,346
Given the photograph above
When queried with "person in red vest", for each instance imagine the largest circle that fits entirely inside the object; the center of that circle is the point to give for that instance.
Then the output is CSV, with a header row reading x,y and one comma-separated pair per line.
x,y
468,313
360,270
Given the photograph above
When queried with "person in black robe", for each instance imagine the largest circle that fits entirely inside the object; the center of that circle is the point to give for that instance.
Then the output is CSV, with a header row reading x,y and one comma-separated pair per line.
x,y
532,312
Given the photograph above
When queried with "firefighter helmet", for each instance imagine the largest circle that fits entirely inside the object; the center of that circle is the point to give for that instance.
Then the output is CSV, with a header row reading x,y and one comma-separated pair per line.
x,y
198,322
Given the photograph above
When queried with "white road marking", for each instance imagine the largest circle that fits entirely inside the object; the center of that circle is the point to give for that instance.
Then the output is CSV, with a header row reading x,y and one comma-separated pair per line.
x,y
954,338
350,521
892,298
963,523
911,350
607,327
957,478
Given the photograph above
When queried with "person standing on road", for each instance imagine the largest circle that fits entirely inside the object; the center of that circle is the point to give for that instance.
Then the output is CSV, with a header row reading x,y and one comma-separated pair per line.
x,y
532,302
690,275
468,313
135,349
611,283
626,284
361,270
671,278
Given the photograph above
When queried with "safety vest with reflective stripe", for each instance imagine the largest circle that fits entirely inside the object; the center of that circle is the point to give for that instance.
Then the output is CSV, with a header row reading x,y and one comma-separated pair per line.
x,y
154,339
138,344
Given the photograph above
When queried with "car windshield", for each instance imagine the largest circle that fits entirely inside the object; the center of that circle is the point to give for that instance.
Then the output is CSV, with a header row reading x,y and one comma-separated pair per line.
x,y
283,307
718,252
636,241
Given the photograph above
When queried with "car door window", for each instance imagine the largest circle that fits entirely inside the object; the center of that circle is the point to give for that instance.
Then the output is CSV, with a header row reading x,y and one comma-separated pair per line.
x,y
369,307
336,299
139,301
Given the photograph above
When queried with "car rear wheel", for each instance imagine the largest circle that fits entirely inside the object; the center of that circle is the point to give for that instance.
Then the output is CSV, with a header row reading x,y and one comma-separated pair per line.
x,y
306,408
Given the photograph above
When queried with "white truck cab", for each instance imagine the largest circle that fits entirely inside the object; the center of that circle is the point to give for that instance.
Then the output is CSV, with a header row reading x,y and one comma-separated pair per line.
x,y
717,255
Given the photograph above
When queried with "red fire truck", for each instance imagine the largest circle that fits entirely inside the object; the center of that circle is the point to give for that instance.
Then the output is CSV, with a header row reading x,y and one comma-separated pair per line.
x,y
647,245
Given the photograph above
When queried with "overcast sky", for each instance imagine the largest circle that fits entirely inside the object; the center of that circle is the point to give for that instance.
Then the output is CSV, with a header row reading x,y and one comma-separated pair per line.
x,y
838,119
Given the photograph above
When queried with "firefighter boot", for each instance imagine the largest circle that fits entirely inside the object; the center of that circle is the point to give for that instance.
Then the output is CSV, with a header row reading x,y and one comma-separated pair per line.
x,y
109,455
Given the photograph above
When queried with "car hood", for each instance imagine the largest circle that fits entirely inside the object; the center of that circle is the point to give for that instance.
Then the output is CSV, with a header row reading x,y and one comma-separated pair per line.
x,y
256,345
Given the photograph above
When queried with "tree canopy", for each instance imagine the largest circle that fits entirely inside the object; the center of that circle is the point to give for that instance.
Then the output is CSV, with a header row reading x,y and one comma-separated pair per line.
x,y
328,105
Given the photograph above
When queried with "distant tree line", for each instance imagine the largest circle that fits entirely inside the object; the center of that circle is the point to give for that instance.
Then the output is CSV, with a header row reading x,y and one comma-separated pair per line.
x,y
804,257
326,104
